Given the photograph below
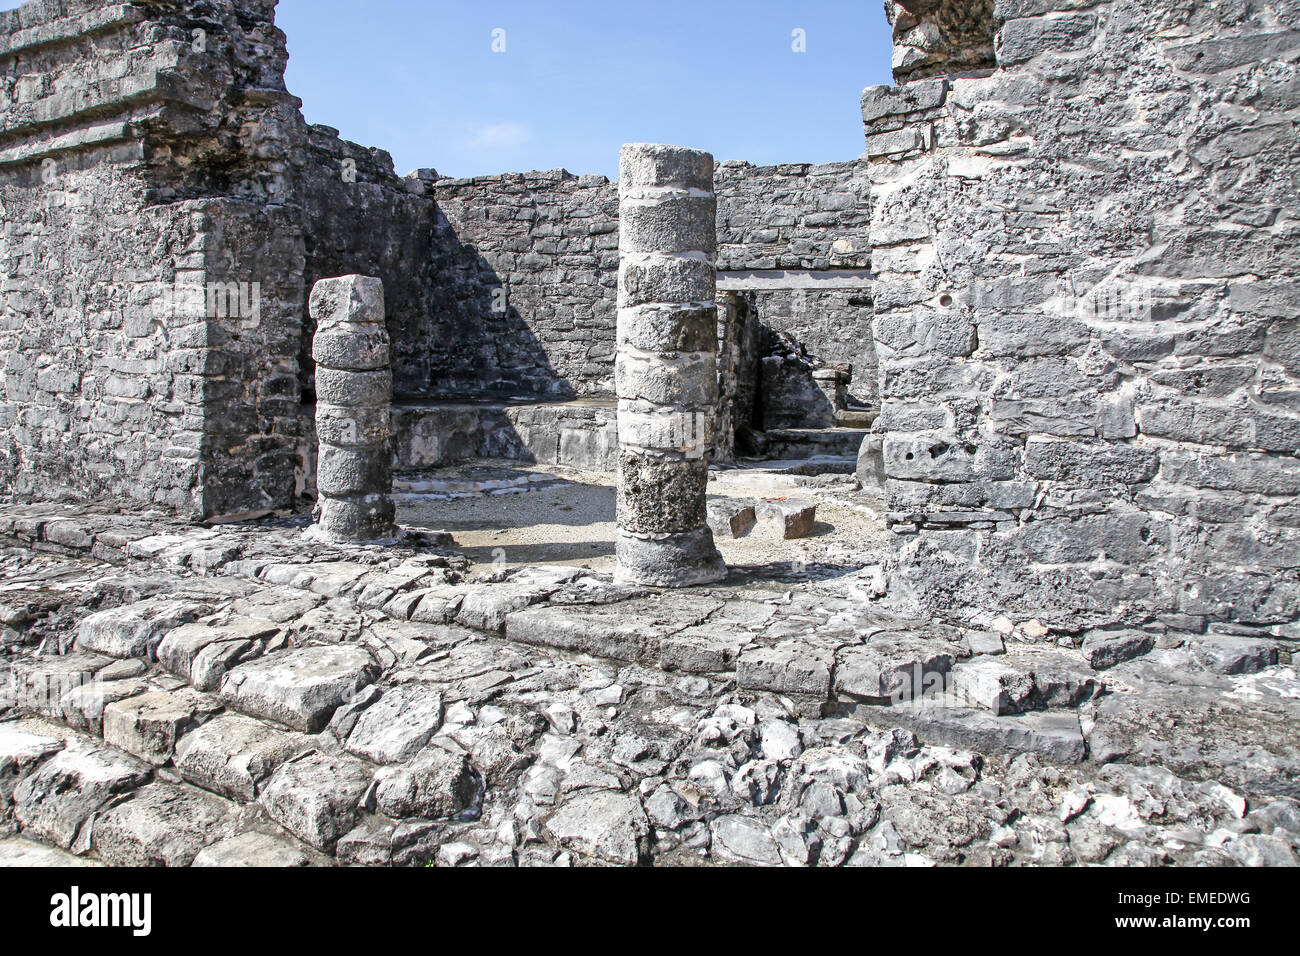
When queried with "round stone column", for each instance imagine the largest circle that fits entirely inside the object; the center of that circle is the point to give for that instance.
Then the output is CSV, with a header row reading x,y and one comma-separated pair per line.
x,y
666,370
354,394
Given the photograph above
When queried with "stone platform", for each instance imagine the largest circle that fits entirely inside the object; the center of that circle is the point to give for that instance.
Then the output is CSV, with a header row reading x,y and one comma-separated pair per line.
x,y
579,434
236,695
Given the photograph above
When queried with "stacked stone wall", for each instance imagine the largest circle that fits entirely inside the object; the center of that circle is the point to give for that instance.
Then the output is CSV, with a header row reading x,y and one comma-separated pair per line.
x,y
1086,306
524,263
140,176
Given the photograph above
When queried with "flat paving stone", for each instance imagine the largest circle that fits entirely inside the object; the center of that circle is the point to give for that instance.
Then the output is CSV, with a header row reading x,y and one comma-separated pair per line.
x,y
258,849
198,653
1055,736
82,708
38,684
232,754
398,725
135,630
603,824
161,825
630,630
20,750
300,688
485,607
789,667
16,851
53,803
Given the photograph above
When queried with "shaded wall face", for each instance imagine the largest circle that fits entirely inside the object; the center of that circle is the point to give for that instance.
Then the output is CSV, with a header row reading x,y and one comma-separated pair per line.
x,y
359,218
834,327
524,267
796,218
1086,317
522,286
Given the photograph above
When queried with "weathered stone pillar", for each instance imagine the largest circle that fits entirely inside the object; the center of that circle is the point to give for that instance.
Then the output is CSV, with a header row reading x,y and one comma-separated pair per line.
x,y
354,392
666,372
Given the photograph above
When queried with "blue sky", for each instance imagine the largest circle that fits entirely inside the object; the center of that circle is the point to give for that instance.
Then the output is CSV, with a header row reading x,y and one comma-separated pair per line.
x,y
580,77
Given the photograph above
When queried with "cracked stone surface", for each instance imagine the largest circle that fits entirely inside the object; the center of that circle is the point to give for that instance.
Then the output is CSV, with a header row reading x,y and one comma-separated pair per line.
x,y
762,722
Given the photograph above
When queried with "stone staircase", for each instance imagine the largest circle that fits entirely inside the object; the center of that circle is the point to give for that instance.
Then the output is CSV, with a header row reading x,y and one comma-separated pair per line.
x,y
198,696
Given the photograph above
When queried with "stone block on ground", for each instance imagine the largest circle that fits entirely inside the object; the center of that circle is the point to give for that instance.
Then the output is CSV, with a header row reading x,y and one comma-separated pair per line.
x,y
730,517
745,840
995,685
603,824
300,688
984,642
233,755
787,517
485,607
1061,678
161,825
440,783
315,797
148,726
1104,649
1229,654
894,666
83,707
709,648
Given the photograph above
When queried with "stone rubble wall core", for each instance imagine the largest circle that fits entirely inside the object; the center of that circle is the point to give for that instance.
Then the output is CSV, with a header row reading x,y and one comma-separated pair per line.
x,y
666,370
354,385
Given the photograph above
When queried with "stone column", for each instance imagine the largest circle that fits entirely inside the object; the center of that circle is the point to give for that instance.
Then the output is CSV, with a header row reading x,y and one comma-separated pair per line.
x,y
354,392
666,372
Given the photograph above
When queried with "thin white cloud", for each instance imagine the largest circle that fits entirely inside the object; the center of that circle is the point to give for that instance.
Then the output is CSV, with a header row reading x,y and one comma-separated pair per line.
x,y
500,136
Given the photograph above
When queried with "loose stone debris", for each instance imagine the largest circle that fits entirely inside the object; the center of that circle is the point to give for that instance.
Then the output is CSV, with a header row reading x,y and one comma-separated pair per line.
x,y
373,710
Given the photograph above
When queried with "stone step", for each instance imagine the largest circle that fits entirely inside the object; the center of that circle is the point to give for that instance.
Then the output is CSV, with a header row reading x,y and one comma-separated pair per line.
x,y
786,443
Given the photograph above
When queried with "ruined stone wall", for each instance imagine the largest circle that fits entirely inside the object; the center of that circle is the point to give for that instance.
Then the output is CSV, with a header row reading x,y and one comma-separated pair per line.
x,y
359,217
524,265
137,142
1086,315
801,216
523,282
